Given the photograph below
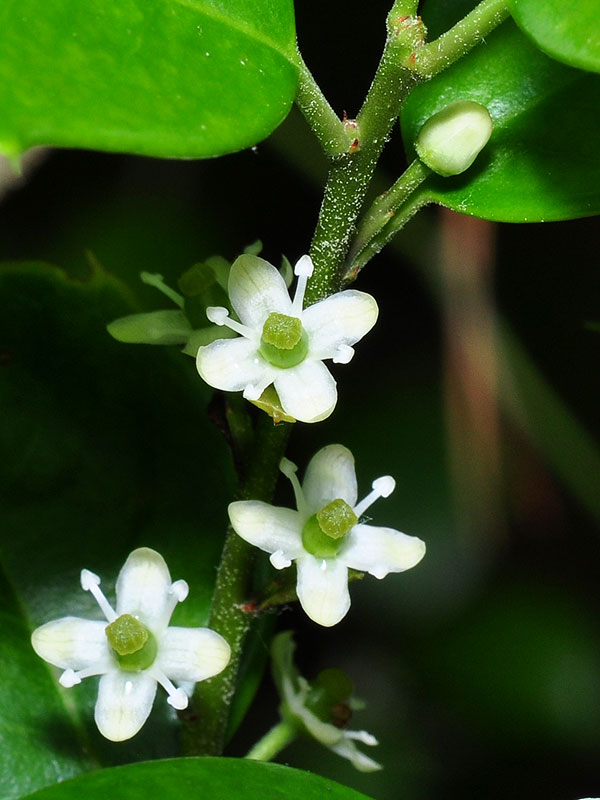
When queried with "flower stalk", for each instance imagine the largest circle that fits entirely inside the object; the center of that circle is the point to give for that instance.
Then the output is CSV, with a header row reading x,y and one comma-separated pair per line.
x,y
274,741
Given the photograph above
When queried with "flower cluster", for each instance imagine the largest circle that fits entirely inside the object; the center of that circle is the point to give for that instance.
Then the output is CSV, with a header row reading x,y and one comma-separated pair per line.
x,y
324,536
281,343
136,650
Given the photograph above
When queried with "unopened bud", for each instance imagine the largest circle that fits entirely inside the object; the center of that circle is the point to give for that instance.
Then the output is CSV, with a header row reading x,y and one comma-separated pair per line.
x,y
450,141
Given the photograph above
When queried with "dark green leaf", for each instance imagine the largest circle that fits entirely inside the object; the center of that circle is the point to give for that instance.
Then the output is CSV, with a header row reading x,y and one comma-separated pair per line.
x,y
110,448
566,31
541,162
174,78
209,778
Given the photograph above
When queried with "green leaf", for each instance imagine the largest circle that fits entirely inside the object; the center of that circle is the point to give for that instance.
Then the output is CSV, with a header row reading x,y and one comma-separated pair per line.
x,y
112,449
173,78
212,778
568,32
541,162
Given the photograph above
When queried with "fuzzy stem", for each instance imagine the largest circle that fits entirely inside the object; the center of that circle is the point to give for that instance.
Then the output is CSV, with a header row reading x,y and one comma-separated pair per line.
x,y
273,742
206,719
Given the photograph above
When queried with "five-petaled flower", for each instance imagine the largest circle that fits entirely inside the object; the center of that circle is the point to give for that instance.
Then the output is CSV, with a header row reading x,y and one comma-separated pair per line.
x,y
136,649
281,343
324,536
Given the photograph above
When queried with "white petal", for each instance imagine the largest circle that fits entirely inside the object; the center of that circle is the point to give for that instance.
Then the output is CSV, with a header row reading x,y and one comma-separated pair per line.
x,y
330,475
381,550
307,392
256,289
323,589
143,589
192,654
231,364
73,643
271,528
124,703
341,319
347,749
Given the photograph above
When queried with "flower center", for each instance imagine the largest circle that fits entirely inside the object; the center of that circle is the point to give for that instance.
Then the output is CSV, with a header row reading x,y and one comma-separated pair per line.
x,y
283,343
133,644
324,532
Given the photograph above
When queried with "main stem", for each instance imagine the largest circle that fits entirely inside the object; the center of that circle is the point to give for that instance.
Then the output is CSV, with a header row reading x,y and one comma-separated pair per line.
x,y
206,720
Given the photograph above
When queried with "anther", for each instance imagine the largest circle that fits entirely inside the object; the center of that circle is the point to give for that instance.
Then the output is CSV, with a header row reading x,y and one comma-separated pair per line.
x,y
90,582
382,487
343,355
289,469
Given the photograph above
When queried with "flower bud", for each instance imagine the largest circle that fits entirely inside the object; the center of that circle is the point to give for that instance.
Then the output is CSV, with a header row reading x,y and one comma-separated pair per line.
x,y
450,141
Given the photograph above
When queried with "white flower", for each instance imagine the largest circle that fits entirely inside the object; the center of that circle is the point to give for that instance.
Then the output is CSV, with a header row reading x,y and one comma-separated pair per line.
x,y
136,649
281,343
324,536
295,692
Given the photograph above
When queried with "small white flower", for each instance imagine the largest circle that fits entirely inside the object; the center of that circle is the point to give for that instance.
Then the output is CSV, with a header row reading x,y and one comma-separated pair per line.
x,y
281,343
324,536
136,650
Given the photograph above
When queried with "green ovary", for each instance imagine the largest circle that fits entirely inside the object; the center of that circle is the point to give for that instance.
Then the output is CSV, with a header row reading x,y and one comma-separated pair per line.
x,y
283,343
134,646
324,533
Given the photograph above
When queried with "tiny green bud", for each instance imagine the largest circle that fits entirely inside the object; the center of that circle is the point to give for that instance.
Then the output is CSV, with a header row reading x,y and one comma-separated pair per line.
x,y
336,519
134,646
284,343
450,141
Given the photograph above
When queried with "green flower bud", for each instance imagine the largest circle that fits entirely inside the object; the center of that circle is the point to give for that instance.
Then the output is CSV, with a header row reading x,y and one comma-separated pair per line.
x,y
450,141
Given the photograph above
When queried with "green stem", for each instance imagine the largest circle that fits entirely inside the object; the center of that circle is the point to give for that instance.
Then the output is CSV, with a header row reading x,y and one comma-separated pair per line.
x,y
206,720
273,742
335,137
350,176
438,55
385,207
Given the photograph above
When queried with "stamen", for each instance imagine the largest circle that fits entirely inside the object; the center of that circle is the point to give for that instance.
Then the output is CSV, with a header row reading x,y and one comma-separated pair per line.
x,y
280,560
71,678
361,736
253,391
382,487
304,269
177,593
177,697
289,469
219,315
344,354
90,582
158,282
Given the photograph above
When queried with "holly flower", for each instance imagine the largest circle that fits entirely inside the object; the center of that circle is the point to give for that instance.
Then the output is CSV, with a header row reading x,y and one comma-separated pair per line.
x,y
136,650
280,343
324,536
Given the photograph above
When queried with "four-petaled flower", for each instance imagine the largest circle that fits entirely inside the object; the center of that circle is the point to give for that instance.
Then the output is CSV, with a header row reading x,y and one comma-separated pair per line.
x,y
324,536
136,649
281,343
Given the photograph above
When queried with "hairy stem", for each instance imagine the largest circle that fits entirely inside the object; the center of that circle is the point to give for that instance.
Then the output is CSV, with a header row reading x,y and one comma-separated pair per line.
x,y
273,742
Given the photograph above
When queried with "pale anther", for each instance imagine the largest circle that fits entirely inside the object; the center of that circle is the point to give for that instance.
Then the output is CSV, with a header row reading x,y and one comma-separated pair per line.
x,y
219,315
289,469
90,582
280,560
382,487
344,354
303,269
69,678
180,590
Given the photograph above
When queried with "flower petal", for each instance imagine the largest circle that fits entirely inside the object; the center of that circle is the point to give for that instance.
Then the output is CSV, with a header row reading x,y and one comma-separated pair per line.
x,y
380,550
124,703
330,475
231,364
341,319
323,589
143,589
192,654
307,391
256,289
269,527
347,749
73,643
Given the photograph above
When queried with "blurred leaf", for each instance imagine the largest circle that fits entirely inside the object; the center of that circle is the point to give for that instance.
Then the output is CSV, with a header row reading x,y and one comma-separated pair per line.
x,y
566,31
541,162
110,449
173,78
213,778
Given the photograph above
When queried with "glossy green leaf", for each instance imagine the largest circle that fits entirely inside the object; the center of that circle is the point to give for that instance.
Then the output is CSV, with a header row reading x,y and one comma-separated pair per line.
x,y
111,448
174,78
210,778
566,31
541,162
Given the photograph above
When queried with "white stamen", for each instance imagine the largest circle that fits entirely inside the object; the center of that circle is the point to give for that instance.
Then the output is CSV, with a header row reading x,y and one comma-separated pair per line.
x,y
382,487
361,736
69,678
177,697
180,589
279,560
303,269
344,354
90,582
253,391
219,315
289,469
